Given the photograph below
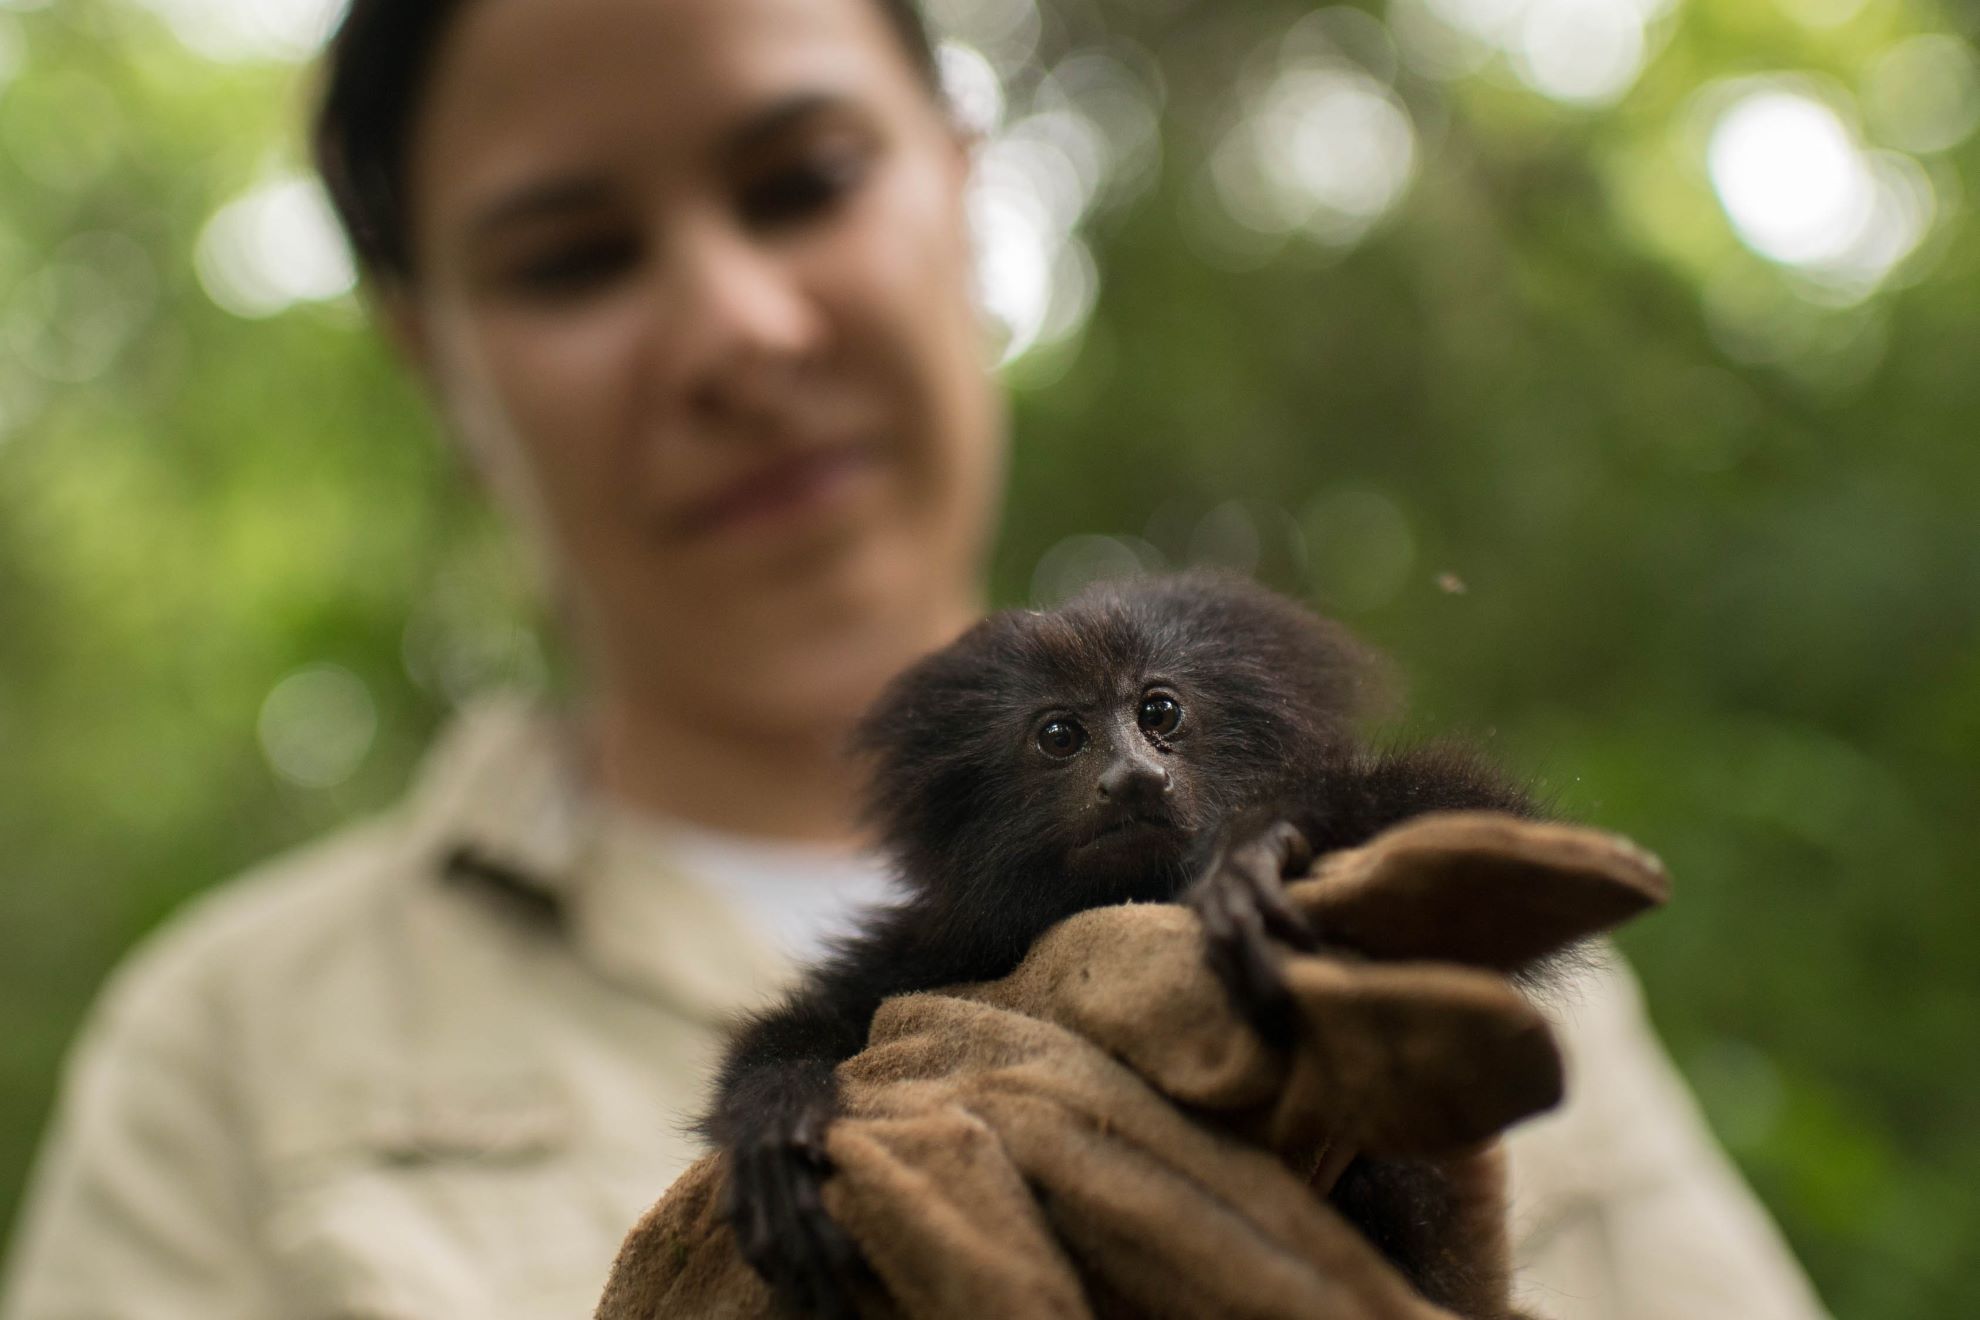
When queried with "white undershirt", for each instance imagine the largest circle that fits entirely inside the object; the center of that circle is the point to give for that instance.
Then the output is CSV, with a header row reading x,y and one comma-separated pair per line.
x,y
798,896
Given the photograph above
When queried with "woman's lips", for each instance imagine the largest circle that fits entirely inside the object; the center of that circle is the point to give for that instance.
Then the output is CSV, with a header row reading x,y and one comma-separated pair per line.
x,y
795,483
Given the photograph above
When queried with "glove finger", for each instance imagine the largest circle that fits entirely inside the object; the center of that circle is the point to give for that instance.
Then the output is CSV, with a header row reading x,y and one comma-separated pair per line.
x,y
945,1222
1480,888
1149,1235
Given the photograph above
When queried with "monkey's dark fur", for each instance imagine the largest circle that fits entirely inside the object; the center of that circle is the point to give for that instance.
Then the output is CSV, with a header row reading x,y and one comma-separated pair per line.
x,y
1173,739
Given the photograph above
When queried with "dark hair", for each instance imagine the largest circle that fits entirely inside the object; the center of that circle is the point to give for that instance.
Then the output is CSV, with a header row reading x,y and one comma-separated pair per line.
x,y
375,73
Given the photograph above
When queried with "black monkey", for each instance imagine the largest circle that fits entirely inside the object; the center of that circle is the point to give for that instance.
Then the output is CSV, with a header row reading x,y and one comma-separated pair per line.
x,y
1182,738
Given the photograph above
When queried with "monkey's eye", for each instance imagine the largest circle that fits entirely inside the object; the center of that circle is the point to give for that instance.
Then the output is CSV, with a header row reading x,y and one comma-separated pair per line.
x,y
1060,739
1160,714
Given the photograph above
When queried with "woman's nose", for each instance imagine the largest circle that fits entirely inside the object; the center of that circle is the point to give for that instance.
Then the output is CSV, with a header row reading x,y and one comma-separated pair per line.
x,y
738,320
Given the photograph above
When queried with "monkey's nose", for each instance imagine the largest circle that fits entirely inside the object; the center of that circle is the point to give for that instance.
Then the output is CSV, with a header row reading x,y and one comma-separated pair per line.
x,y
1133,785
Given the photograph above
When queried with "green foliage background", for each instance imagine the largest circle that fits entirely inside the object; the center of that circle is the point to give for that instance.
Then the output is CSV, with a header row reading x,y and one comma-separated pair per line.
x,y
1730,607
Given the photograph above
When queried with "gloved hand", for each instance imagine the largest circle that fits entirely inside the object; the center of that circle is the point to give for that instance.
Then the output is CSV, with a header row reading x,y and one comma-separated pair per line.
x,y
1100,1134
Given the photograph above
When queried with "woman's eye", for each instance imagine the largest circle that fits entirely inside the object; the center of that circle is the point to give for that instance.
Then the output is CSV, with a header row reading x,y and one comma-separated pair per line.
x,y
1060,739
802,190
573,269
1160,714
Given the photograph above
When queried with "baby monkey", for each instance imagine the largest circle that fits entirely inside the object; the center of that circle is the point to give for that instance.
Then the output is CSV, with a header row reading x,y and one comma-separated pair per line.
x,y
1168,739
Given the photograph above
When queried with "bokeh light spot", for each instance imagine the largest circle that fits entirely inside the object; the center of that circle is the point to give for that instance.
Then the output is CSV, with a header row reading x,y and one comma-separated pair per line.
x,y
1923,95
1801,191
1583,51
272,248
1014,257
1117,108
1360,545
1079,561
1031,189
69,320
1226,537
1327,150
972,86
1005,31
1822,13
1075,290
1489,19
1431,44
1586,52
465,634
242,30
1789,176
316,726
1341,35
1762,321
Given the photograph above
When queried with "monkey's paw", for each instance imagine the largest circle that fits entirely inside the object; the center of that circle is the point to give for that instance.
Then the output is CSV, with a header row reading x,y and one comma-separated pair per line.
x,y
1241,901
776,1207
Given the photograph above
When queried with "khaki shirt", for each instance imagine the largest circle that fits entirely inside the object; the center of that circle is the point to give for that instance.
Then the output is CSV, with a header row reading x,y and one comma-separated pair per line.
x,y
437,1065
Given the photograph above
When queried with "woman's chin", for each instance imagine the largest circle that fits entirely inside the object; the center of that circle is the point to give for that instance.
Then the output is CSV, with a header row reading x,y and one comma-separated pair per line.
x,y
808,648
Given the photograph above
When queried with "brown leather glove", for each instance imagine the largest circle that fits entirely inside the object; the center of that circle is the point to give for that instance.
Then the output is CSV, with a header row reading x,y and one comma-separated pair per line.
x,y
1098,1133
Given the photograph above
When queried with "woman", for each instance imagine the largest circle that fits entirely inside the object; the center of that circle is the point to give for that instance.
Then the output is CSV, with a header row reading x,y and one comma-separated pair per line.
x,y
689,282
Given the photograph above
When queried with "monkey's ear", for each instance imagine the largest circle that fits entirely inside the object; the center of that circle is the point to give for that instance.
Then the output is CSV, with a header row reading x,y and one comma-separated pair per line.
x,y
1348,674
1339,674
939,697
1338,680
905,711
912,740
883,727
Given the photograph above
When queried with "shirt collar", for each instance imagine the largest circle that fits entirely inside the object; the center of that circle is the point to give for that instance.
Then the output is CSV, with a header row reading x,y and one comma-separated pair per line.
x,y
502,800
502,789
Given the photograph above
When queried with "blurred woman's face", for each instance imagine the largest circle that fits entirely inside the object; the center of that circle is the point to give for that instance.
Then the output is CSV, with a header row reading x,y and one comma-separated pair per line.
x,y
693,285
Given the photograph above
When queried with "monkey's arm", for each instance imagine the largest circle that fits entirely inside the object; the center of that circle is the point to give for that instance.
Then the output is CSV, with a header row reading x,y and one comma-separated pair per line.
x,y
776,1096
1356,797
780,1063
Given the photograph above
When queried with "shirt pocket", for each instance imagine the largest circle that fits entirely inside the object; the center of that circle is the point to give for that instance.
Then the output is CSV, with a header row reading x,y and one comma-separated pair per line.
x,y
466,1204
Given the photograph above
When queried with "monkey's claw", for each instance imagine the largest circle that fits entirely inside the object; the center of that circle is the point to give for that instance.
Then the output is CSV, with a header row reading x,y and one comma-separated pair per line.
x,y
1242,904
776,1207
